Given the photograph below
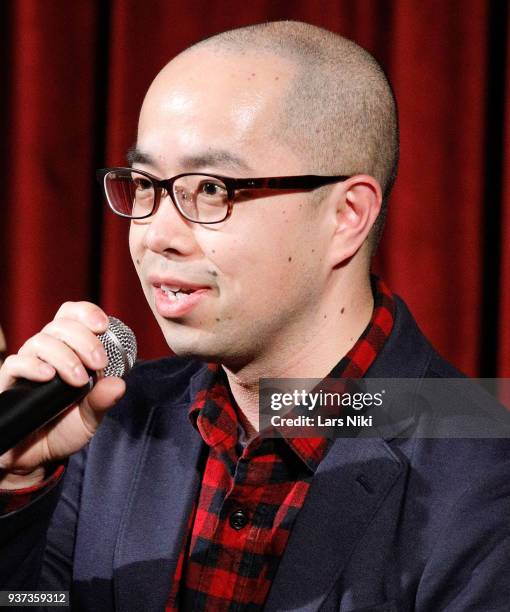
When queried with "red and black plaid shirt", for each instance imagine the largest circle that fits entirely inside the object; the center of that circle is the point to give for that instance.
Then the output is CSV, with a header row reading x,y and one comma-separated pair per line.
x,y
250,495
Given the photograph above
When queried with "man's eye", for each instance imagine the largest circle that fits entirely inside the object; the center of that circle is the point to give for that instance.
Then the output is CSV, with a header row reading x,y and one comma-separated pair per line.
x,y
212,189
142,184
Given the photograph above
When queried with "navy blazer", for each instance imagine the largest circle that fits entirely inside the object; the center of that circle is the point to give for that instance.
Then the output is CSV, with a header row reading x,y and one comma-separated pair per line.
x,y
389,523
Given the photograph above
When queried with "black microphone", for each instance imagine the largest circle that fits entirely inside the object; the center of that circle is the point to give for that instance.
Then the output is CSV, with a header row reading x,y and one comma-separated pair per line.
x,y
27,405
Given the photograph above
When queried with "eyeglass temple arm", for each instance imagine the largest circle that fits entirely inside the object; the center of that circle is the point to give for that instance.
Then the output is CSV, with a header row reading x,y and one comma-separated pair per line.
x,y
307,181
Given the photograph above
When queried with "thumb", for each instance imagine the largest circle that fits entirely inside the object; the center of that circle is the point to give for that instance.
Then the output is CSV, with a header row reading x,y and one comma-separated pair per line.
x,y
105,394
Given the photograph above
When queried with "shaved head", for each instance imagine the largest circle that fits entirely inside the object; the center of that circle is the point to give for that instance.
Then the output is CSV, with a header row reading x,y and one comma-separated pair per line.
x,y
338,112
281,99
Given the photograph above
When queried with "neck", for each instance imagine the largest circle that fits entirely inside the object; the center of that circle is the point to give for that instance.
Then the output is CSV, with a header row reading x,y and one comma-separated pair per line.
x,y
327,335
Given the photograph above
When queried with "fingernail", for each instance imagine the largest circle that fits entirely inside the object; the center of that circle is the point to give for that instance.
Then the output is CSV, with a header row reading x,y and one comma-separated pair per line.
x,y
100,321
97,357
80,374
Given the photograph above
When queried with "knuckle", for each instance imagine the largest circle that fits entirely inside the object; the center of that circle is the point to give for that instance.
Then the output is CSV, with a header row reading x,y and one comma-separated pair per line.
x,y
36,342
29,346
64,308
58,328
49,328
84,312
89,308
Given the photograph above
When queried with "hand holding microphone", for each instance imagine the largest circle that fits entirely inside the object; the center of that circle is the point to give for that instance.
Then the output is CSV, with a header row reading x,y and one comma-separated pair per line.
x,y
60,360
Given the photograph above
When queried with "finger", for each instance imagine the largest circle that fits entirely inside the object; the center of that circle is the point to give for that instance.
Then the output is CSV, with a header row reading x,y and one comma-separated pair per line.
x,y
106,393
65,361
24,366
81,340
87,313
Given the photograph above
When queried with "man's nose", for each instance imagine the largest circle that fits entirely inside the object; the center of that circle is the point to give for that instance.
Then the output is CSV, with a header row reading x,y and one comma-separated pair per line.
x,y
168,230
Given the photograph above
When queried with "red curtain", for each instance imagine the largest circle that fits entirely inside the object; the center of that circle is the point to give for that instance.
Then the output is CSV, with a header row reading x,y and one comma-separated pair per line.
x,y
75,74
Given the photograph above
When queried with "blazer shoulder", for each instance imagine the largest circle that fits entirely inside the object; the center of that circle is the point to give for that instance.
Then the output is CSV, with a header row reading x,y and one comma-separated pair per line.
x,y
439,367
408,353
161,379
153,383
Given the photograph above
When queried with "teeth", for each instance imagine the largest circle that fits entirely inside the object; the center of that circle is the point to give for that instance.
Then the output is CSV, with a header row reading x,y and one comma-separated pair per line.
x,y
173,293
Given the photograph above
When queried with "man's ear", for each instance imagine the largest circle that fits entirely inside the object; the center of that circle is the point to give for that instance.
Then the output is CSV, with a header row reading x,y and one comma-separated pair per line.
x,y
358,202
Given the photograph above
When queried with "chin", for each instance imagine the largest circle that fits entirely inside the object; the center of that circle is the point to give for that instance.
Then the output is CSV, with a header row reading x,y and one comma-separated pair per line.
x,y
192,343
206,348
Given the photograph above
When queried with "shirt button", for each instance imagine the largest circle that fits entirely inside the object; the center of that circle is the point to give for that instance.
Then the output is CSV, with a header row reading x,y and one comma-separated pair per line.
x,y
238,520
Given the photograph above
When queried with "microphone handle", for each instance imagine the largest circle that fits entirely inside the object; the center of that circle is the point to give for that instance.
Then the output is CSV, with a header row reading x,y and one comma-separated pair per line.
x,y
28,405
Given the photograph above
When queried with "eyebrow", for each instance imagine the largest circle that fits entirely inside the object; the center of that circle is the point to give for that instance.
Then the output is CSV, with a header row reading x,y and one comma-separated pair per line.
x,y
212,157
135,155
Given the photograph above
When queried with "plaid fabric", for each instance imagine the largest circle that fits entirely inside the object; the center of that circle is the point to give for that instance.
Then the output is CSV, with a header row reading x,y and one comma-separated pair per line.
x,y
251,495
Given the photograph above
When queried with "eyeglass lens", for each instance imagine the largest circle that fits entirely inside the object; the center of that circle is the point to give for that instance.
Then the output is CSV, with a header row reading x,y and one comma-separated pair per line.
x,y
199,197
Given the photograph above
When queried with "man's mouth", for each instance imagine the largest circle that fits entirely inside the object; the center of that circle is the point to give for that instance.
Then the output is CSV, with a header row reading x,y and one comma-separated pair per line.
x,y
175,293
175,298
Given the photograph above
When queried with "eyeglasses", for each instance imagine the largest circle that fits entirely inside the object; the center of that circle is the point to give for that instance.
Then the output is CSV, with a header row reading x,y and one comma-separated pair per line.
x,y
200,198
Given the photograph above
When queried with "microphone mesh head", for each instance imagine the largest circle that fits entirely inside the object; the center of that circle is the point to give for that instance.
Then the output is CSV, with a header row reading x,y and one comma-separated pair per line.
x,y
120,345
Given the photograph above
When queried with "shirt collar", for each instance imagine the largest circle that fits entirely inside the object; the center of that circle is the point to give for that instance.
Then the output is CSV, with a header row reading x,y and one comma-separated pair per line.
x,y
213,410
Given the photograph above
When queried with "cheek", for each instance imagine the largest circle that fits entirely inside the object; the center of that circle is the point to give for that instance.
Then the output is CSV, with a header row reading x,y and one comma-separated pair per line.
x,y
241,258
300,257
261,262
135,241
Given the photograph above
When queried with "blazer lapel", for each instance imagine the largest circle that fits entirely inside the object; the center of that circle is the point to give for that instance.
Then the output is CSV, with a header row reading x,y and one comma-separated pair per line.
x,y
165,485
352,482
348,488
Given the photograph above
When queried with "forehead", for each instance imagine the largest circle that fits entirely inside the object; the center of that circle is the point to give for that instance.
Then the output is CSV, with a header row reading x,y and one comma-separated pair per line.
x,y
207,99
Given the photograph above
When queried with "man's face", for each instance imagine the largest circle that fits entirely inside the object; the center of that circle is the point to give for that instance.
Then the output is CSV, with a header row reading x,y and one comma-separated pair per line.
x,y
258,276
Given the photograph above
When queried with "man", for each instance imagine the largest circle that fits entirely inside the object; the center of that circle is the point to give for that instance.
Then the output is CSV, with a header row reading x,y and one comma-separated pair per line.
x,y
177,502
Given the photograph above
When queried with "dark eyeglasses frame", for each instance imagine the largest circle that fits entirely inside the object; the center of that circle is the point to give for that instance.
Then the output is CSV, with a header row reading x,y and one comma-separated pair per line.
x,y
304,182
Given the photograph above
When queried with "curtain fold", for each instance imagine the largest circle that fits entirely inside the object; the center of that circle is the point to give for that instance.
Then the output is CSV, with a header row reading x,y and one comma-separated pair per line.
x,y
504,279
75,74
46,211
